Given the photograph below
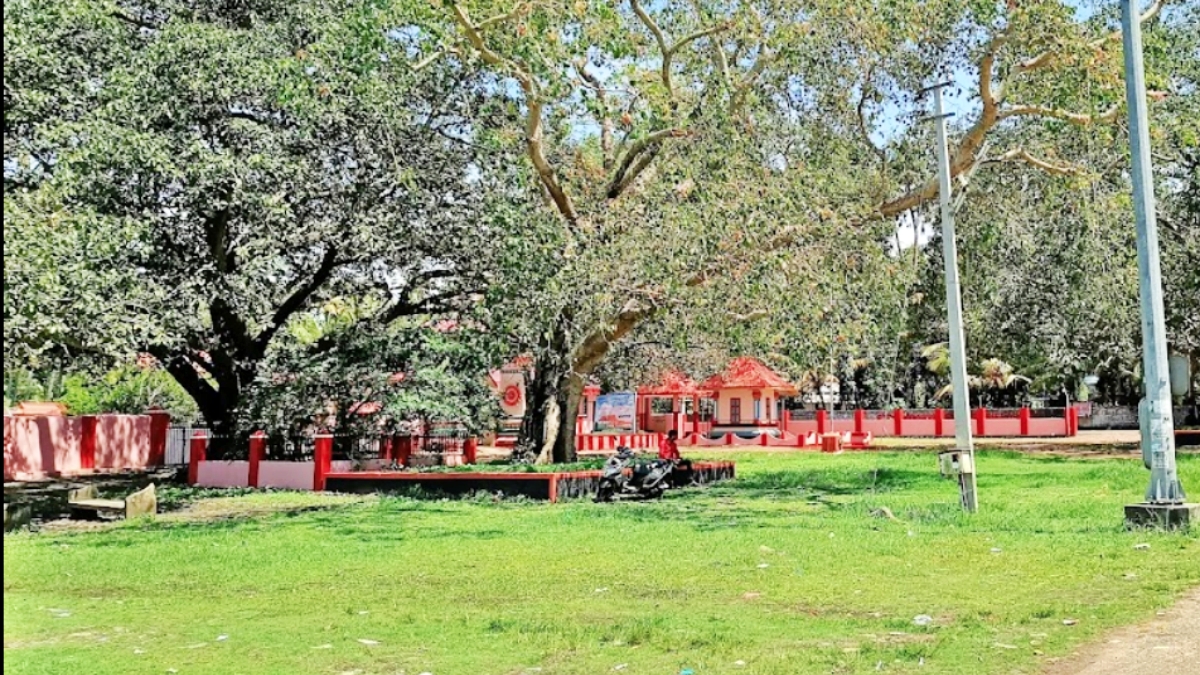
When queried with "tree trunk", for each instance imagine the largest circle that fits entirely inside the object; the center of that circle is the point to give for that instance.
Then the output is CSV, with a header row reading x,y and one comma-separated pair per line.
x,y
556,389
552,403
218,406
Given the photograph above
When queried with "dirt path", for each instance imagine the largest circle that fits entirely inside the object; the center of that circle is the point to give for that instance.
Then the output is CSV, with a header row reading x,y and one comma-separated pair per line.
x,y
1168,645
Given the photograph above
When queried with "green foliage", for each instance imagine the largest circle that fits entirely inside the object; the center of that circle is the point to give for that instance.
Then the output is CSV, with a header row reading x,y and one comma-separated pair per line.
x,y
129,390
227,169
357,379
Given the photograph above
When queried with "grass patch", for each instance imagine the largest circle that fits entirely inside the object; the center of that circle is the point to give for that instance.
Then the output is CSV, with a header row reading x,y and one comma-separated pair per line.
x,y
782,572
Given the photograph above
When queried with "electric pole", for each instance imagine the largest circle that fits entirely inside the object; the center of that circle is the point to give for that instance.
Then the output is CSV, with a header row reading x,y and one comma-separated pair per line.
x,y
1164,504
963,460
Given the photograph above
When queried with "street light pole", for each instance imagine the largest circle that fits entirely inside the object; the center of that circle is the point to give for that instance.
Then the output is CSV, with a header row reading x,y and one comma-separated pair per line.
x,y
1158,439
964,444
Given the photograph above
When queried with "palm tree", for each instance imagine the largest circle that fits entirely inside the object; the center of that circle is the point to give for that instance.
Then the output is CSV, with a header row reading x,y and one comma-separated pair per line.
x,y
996,379
937,358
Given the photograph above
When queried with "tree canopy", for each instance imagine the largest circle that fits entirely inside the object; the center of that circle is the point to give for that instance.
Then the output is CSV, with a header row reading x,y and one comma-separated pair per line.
x,y
281,201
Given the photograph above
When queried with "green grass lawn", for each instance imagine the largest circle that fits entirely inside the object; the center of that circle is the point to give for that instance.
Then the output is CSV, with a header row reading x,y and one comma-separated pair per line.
x,y
784,571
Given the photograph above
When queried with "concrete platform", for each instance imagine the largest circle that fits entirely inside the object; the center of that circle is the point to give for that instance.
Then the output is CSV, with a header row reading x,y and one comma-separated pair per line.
x,y
1163,516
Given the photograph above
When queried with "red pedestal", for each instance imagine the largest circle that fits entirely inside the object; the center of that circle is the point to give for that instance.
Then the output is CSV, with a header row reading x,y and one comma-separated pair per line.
x,y
160,426
258,448
831,443
87,442
322,460
197,452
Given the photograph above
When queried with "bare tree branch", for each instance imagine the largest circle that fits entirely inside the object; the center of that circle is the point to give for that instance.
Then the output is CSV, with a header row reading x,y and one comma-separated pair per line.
x,y
606,123
1022,155
862,120
631,165
738,99
533,125
1046,58
1079,119
669,51
296,300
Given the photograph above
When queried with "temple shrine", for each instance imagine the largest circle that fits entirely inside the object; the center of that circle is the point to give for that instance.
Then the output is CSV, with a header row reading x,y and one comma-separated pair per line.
x,y
749,398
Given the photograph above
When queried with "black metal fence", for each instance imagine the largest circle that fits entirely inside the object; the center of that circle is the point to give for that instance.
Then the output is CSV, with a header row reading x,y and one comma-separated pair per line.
x,y
179,444
441,439
435,439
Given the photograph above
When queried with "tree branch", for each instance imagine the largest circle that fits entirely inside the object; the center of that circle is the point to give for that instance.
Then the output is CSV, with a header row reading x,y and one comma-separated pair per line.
x,y
1078,119
533,125
406,306
669,51
1022,155
606,123
739,94
629,168
1046,58
862,121
296,300
594,348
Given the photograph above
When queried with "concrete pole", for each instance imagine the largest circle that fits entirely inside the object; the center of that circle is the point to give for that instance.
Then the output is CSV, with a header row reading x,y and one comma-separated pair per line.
x,y
1158,439
958,354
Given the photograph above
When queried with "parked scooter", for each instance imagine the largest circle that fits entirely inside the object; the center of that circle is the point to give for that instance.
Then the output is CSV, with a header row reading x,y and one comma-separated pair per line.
x,y
623,477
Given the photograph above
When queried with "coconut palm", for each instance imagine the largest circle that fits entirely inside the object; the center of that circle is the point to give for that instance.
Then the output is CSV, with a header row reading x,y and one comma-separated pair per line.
x,y
995,380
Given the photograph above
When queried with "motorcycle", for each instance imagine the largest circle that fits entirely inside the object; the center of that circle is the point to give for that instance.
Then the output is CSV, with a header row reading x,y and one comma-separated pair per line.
x,y
623,477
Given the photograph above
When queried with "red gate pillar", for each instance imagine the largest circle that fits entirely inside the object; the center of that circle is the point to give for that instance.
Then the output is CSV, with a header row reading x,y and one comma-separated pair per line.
x,y
980,421
196,454
470,450
322,460
696,419
403,449
822,421
939,421
860,420
898,421
87,442
258,445
1025,417
160,426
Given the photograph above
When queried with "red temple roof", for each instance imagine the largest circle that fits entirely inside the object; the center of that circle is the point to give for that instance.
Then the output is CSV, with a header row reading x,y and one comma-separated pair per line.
x,y
673,383
749,373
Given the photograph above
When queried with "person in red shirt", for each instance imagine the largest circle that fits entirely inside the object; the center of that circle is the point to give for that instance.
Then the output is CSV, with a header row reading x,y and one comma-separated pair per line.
x,y
668,449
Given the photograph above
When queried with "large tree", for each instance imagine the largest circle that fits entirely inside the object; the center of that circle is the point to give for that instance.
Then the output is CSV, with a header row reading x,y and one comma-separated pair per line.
x,y
224,168
686,147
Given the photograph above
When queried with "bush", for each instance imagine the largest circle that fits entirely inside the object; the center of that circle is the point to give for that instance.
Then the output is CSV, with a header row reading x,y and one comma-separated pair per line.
x,y
130,390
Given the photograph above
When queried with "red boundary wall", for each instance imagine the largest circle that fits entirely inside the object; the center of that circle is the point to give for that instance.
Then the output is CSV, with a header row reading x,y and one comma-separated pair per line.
x,y
37,447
